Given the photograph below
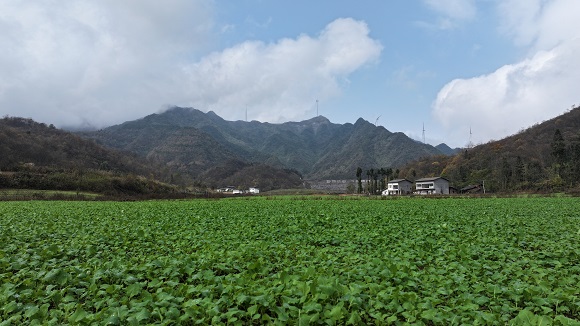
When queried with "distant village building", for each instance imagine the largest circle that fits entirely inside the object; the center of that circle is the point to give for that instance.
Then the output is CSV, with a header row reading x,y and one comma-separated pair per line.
x,y
231,190
431,186
472,189
398,187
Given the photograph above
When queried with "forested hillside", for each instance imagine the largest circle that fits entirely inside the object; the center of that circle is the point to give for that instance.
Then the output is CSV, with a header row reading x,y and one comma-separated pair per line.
x,y
543,157
36,156
195,142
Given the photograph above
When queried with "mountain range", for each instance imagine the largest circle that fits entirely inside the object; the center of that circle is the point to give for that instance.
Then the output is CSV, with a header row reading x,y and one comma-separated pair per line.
x,y
194,143
187,147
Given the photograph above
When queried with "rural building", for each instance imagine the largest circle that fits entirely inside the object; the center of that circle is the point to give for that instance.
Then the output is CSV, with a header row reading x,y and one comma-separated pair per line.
x,y
226,189
431,186
253,190
398,187
472,189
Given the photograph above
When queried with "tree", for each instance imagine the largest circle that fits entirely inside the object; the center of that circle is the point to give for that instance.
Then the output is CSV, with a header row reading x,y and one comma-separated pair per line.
x,y
519,170
389,174
383,173
506,173
558,152
375,180
574,160
359,177
369,180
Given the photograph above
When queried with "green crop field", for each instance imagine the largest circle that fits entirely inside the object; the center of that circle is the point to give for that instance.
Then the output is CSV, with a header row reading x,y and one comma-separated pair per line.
x,y
297,261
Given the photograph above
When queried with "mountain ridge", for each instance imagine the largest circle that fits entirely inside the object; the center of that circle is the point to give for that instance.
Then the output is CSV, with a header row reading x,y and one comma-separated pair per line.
x,y
316,148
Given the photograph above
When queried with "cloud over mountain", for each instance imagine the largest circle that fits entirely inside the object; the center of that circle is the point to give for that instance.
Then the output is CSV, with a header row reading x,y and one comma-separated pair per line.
x,y
94,61
281,80
106,62
538,87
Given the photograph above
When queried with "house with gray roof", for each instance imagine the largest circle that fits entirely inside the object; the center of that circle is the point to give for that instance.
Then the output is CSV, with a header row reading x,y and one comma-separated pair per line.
x,y
431,186
398,187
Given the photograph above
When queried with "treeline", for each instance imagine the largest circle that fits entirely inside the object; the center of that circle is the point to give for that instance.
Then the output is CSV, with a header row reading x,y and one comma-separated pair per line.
x,y
24,141
375,179
529,161
101,182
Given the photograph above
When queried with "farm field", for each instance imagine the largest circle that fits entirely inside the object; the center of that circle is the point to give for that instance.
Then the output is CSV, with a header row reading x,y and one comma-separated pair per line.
x,y
298,261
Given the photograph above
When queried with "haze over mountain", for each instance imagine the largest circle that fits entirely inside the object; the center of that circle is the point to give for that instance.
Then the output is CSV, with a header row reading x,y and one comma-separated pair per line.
x,y
194,142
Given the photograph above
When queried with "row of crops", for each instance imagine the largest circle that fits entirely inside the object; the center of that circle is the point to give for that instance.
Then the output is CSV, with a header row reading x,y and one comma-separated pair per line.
x,y
331,261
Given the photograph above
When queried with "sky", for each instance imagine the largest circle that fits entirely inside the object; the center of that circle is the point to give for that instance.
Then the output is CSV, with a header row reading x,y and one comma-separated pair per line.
x,y
461,70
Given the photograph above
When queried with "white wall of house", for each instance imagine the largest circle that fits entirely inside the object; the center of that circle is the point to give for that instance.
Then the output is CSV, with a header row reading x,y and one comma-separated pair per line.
x,y
429,186
398,187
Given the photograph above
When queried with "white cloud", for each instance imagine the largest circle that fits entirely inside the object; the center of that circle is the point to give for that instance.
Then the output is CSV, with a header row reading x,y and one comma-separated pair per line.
x,y
540,24
280,81
454,9
519,95
95,61
105,62
451,13
513,97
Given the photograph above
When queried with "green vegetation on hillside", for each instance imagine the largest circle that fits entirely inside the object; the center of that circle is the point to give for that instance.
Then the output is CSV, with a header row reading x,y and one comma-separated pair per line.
x,y
544,157
26,142
36,156
289,261
318,149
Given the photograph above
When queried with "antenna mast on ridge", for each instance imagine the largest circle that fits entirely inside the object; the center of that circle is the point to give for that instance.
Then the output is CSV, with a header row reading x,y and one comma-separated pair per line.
x,y
470,144
316,107
377,120
423,132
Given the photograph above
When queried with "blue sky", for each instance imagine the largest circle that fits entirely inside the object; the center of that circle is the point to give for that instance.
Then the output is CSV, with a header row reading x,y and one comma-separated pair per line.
x,y
492,66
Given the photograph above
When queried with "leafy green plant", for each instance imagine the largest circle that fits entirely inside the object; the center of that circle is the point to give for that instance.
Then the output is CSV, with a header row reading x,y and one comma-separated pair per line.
x,y
291,260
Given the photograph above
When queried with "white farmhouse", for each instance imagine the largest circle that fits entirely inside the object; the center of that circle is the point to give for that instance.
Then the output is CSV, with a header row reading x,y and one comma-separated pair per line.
x,y
398,187
253,190
430,186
